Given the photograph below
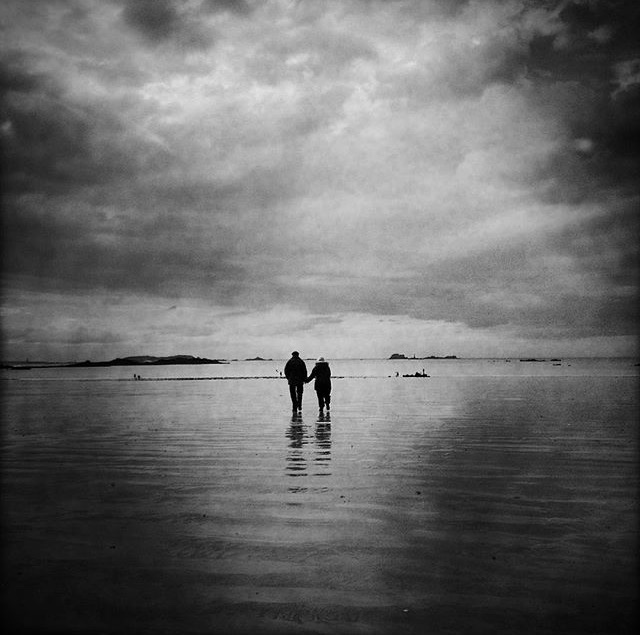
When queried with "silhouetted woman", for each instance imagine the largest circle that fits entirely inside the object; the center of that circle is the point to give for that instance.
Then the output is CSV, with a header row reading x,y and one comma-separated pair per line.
x,y
322,374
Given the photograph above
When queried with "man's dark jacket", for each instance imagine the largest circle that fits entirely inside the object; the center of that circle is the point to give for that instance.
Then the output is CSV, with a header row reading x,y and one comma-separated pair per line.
x,y
295,371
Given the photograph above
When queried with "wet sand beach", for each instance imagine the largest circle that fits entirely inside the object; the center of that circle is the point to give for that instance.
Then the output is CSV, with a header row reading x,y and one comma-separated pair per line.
x,y
441,505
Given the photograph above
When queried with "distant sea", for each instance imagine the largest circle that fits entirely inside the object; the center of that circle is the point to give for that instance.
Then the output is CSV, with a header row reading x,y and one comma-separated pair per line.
x,y
363,368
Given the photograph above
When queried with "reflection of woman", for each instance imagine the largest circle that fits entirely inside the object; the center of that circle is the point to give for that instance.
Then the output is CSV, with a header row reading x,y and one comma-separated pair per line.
x,y
322,374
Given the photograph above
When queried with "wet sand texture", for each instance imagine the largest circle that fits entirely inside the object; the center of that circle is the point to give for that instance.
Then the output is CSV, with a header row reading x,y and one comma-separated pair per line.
x,y
453,505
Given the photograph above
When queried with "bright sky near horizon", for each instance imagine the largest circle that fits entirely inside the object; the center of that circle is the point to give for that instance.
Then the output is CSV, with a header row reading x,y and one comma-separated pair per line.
x,y
349,178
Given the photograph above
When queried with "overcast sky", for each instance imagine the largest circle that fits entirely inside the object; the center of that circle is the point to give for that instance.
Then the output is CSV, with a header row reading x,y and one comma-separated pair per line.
x,y
353,178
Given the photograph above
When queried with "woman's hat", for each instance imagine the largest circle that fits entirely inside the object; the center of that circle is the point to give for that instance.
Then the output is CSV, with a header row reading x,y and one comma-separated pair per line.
x,y
320,359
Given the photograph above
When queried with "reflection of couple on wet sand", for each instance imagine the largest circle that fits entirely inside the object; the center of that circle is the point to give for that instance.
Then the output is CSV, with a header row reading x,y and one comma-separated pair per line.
x,y
295,371
309,454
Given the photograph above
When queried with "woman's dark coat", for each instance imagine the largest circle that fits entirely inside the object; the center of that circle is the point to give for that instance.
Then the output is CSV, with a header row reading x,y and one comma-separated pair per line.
x,y
322,374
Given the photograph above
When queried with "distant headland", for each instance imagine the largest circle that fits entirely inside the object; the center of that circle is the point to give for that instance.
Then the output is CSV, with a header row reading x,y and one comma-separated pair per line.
x,y
147,360
401,356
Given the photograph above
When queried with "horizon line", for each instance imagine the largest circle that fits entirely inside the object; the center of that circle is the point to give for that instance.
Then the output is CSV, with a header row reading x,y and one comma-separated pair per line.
x,y
350,358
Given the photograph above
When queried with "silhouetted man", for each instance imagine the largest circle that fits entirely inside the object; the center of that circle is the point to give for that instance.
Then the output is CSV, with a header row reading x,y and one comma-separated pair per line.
x,y
295,371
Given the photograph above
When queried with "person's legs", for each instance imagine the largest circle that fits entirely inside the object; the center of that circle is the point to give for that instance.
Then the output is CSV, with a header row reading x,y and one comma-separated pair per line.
x,y
327,400
320,400
294,396
300,390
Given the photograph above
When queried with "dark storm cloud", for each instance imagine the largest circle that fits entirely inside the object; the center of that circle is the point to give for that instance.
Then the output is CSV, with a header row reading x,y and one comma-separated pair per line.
x,y
157,19
175,239
419,10
517,285
158,255
16,76
53,142
578,68
604,247
585,19
241,7
175,20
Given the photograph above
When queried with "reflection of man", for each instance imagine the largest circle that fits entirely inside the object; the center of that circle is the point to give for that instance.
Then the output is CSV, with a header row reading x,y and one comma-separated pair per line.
x,y
295,371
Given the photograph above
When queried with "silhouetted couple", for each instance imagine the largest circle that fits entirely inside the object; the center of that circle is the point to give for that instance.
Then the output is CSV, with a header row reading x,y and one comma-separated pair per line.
x,y
295,371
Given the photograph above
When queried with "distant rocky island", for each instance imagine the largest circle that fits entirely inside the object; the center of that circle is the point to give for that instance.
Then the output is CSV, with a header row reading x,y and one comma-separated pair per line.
x,y
401,356
147,360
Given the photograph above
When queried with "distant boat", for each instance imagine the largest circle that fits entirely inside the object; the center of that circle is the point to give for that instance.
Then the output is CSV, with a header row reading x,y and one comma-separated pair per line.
x,y
417,374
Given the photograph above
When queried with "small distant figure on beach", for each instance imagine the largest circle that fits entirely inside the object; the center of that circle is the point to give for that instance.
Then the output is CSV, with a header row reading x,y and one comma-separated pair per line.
x,y
295,370
322,374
